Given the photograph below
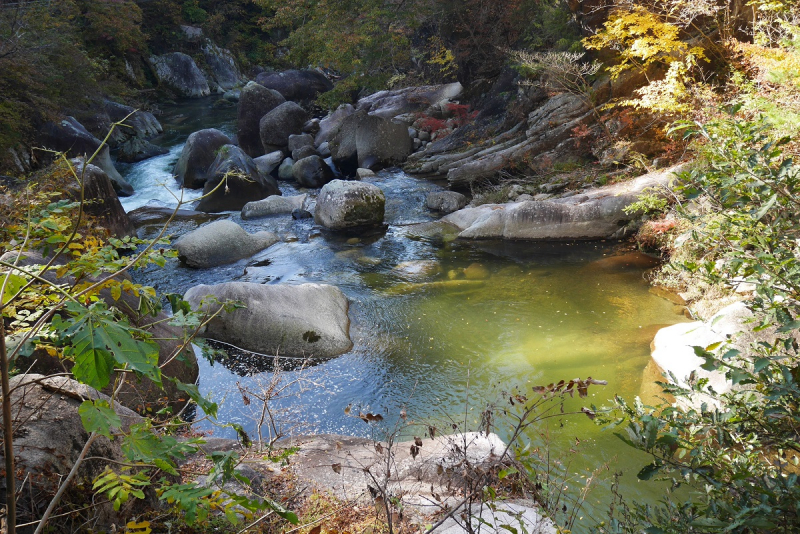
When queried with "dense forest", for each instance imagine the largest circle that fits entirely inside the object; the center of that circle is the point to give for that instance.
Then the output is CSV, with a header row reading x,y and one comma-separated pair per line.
x,y
548,102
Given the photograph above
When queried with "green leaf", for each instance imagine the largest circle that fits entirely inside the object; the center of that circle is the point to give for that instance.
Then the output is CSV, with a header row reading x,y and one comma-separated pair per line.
x,y
208,407
93,368
794,325
13,283
648,471
98,416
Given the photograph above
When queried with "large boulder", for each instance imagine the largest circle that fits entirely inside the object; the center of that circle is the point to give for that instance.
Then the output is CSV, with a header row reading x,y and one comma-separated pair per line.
x,y
299,141
312,172
368,141
391,103
296,85
223,70
276,126
102,202
330,124
345,205
221,242
69,136
137,123
302,320
255,101
48,439
197,156
138,149
243,182
273,205
179,72
596,214
445,201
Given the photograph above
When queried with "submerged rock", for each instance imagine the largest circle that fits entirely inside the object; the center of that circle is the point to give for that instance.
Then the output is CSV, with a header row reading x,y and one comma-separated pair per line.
x,y
179,72
301,320
221,242
343,205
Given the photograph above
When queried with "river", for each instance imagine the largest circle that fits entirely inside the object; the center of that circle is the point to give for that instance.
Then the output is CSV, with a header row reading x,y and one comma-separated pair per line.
x,y
542,312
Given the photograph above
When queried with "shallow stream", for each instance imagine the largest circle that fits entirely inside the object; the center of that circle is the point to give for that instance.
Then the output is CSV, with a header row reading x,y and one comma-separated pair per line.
x,y
515,313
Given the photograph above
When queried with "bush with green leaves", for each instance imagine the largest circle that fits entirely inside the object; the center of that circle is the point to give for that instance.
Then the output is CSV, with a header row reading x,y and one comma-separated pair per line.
x,y
736,455
56,305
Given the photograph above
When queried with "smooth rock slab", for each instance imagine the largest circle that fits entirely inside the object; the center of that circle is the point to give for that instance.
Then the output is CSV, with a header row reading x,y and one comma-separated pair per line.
x,y
274,205
301,320
221,242
180,72
597,214
343,205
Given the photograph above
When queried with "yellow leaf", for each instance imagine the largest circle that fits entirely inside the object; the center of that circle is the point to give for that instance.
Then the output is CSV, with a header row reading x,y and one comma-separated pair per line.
x,y
142,527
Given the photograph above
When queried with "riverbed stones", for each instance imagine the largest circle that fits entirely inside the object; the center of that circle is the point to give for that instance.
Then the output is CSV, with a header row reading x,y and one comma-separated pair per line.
x,y
276,126
285,170
312,172
596,214
267,163
304,152
346,205
362,173
255,101
445,201
368,141
197,156
298,85
221,242
300,140
274,205
179,72
288,320
242,182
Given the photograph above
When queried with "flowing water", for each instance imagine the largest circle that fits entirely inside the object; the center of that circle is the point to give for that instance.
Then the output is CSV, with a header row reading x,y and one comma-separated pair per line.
x,y
439,326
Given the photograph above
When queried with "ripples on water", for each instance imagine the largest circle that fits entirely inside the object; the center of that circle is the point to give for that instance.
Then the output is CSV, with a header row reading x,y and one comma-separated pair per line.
x,y
537,313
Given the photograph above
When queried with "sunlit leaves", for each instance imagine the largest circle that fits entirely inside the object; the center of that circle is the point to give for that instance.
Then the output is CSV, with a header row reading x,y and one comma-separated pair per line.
x,y
98,416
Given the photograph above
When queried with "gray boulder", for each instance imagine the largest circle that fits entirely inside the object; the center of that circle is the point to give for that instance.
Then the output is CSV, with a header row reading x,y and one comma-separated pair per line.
x,y
369,141
180,73
285,170
362,173
304,152
331,123
138,149
268,162
300,140
255,101
137,123
276,126
243,182
596,214
296,85
69,136
273,205
302,320
102,202
445,201
345,205
221,242
222,66
312,172
197,156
